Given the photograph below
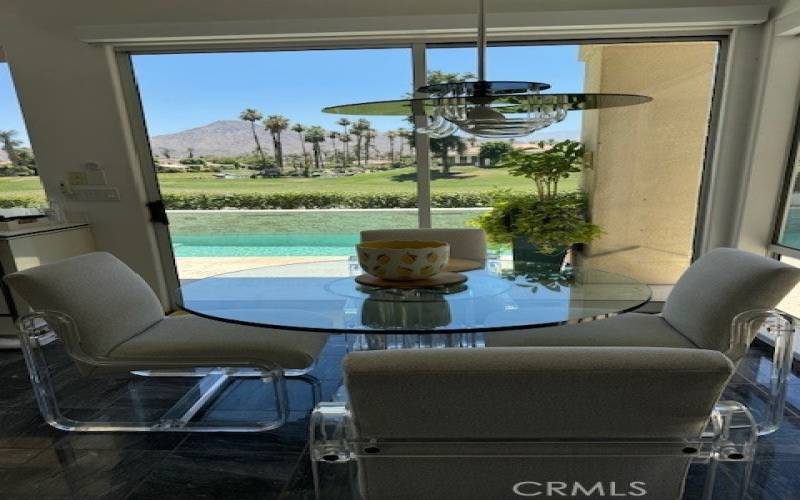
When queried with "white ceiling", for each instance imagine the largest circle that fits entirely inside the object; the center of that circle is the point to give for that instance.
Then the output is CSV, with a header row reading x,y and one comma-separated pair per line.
x,y
105,12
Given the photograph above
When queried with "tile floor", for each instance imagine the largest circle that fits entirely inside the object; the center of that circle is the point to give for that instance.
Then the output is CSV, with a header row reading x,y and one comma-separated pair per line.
x,y
39,462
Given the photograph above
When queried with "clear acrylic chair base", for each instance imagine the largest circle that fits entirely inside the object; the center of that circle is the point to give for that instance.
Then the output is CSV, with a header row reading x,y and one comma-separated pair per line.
x,y
782,327
153,399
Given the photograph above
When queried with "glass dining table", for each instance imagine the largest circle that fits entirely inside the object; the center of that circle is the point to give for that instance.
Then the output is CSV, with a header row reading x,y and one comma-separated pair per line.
x,y
497,296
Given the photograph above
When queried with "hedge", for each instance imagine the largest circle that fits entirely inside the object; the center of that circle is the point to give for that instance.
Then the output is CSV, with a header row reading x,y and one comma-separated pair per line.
x,y
22,201
295,200
310,200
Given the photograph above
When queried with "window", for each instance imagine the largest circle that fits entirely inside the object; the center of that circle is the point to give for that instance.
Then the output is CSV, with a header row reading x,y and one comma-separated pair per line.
x,y
644,163
786,244
309,198
19,180
245,131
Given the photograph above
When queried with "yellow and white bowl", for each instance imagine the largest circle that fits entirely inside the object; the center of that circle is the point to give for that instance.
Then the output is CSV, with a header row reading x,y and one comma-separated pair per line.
x,y
403,260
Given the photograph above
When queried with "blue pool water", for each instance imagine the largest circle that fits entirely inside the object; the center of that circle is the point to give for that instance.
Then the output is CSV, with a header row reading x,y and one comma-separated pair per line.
x,y
791,232
257,245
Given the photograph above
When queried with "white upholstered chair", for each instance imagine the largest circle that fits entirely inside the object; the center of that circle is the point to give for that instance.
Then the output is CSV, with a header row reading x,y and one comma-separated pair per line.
x,y
502,423
699,313
465,243
110,323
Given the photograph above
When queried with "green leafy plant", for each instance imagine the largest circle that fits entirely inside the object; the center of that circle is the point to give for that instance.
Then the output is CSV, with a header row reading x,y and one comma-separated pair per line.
x,y
550,220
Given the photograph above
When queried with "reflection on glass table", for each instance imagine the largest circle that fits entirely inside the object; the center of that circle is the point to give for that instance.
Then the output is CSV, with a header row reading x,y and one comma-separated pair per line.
x,y
323,296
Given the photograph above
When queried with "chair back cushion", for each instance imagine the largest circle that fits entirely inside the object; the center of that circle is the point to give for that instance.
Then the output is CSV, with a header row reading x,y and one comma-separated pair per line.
x,y
108,301
499,396
720,285
464,243
534,392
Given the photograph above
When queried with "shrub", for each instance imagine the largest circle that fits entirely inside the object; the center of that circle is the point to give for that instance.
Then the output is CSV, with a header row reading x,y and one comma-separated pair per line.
x,y
193,161
316,200
22,201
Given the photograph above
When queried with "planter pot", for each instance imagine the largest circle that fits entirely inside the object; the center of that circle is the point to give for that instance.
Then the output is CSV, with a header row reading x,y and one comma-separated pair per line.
x,y
526,252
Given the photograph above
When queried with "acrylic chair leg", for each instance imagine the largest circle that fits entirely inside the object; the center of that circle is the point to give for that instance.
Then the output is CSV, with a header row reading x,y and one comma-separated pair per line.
x,y
313,382
782,358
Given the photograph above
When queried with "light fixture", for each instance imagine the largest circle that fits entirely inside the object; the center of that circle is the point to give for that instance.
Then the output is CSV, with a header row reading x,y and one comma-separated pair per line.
x,y
488,109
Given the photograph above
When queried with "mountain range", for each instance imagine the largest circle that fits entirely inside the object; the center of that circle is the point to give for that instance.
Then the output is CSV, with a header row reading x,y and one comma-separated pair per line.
x,y
234,137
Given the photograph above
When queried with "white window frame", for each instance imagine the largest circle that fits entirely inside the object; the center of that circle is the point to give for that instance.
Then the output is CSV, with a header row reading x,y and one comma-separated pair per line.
x,y
120,54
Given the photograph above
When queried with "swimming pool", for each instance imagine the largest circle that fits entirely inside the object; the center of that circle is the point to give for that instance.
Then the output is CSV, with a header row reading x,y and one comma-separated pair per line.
x,y
290,233
255,245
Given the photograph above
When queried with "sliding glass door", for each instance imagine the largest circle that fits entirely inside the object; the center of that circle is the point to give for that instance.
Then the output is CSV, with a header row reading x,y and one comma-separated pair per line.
x,y
253,173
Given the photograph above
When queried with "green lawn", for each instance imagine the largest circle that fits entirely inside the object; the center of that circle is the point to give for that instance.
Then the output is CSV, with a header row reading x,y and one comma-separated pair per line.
x,y
462,179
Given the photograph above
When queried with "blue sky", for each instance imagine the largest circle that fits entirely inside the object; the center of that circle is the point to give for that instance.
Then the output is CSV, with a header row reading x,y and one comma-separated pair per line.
x,y
10,114
188,90
181,91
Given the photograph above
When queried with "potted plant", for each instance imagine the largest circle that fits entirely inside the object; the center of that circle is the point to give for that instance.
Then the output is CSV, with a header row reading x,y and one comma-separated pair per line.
x,y
541,227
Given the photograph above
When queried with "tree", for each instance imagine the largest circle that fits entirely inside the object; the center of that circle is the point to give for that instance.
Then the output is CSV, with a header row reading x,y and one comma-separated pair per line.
x,y
316,136
369,141
190,152
334,136
494,150
25,159
403,134
276,124
345,139
251,115
436,76
391,135
359,130
344,123
472,140
300,129
10,145
166,153
443,146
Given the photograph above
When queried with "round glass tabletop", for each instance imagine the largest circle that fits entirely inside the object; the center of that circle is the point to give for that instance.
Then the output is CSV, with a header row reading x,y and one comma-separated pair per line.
x,y
324,296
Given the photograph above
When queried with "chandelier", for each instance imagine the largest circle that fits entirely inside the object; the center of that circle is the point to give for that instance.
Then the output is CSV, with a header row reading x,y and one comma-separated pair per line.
x,y
487,108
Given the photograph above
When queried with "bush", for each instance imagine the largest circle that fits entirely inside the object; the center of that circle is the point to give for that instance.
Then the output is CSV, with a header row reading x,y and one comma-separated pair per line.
x,y
312,200
22,201
193,161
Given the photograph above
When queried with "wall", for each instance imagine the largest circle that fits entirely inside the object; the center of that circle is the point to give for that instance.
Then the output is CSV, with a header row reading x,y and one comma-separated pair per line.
x,y
647,160
71,110
72,103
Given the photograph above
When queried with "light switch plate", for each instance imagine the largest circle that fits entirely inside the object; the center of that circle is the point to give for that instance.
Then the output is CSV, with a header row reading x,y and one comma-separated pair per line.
x,y
96,194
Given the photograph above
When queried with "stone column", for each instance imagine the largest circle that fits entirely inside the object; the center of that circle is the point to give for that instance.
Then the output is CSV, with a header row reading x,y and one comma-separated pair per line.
x,y
646,160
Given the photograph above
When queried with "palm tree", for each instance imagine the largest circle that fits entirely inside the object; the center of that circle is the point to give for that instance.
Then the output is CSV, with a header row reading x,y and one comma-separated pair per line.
x,y
333,136
344,123
345,138
299,128
472,140
391,135
369,140
403,134
276,124
316,135
360,129
10,145
190,152
251,115
166,153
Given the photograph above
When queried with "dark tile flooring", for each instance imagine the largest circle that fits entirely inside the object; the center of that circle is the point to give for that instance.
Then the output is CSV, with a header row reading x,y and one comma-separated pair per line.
x,y
39,462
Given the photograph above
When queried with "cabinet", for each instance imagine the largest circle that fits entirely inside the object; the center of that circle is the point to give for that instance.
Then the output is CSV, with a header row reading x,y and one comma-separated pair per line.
x,y
25,248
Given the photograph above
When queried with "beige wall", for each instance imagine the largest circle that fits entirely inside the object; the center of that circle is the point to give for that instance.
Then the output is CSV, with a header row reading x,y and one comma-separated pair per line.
x,y
647,160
